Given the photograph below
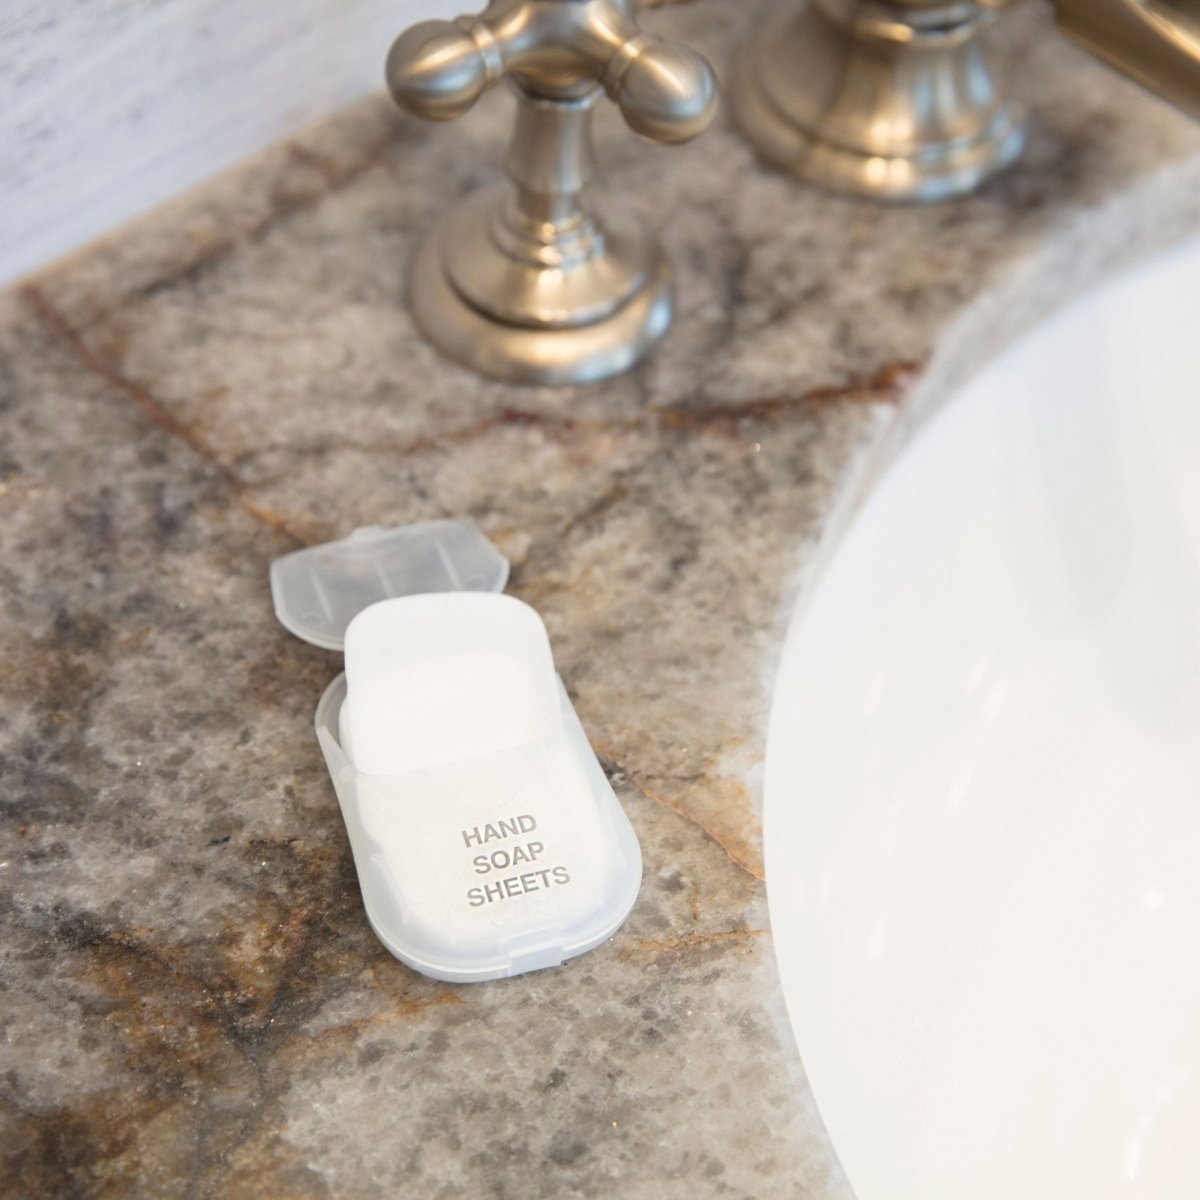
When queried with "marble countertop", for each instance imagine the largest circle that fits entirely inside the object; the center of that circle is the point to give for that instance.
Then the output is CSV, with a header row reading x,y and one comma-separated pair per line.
x,y
193,1003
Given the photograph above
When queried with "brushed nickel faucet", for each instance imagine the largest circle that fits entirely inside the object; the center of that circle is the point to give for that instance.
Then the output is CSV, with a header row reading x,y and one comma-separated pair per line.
x,y
900,99
525,281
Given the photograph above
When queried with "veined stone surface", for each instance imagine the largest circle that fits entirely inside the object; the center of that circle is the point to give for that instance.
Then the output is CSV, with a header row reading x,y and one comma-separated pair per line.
x,y
193,1003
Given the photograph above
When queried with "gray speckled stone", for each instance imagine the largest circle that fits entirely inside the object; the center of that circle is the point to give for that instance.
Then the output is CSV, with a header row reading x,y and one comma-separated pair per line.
x,y
193,1004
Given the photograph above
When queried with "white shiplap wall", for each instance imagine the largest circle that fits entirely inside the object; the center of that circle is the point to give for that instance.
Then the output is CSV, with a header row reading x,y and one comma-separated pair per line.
x,y
108,107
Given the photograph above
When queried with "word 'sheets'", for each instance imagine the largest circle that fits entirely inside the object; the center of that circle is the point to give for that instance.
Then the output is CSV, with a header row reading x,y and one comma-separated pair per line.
x,y
509,827
517,885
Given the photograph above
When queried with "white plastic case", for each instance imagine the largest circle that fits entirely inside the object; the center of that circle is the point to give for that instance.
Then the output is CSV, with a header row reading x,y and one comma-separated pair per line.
x,y
487,839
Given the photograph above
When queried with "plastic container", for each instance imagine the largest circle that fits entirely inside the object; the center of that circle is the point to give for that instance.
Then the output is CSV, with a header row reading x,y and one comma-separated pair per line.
x,y
487,839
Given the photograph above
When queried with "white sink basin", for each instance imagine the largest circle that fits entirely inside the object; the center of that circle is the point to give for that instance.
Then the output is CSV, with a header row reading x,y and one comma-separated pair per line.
x,y
983,779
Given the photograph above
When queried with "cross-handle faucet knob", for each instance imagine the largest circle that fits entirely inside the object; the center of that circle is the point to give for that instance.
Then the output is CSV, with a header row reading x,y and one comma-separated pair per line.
x,y
556,49
525,281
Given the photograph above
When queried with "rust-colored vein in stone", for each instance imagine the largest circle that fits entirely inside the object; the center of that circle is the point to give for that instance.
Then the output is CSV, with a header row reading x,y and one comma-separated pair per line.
x,y
684,943
505,418
753,869
351,1031
158,414
410,1008
888,385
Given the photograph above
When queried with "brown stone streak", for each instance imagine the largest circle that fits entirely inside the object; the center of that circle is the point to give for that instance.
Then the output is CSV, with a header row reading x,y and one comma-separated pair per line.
x,y
888,385
402,1008
157,414
674,945
124,963
410,1008
506,418
753,869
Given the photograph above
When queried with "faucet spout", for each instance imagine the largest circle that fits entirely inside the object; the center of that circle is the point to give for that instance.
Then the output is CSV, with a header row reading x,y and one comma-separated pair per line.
x,y
1153,42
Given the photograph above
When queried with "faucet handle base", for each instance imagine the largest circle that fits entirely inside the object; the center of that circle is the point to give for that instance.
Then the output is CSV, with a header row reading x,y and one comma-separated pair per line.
x,y
878,100
545,355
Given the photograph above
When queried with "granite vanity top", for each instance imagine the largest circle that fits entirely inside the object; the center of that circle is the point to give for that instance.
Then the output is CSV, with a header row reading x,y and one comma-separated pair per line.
x,y
193,1004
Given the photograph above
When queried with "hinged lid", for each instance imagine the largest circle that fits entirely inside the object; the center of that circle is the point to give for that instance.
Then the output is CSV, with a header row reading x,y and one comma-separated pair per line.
x,y
318,591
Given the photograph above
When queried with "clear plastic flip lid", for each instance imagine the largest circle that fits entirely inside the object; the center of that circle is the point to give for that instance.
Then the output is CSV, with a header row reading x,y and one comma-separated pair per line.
x,y
487,839
318,591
